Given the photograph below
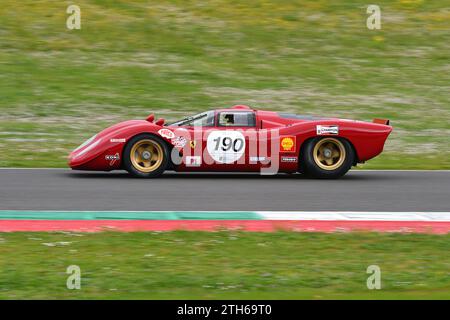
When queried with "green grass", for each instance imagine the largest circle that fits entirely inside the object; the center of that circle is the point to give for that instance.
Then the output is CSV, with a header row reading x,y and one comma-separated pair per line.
x,y
177,57
229,265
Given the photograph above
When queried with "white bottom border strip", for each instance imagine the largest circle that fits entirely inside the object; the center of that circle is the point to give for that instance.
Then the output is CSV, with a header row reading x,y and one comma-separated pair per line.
x,y
354,215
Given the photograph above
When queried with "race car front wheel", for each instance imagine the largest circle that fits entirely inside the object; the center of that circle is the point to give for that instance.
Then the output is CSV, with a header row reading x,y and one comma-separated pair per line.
x,y
146,156
327,157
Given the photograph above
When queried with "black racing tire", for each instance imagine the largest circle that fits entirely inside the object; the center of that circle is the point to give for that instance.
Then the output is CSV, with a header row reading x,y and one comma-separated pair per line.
x,y
134,161
316,165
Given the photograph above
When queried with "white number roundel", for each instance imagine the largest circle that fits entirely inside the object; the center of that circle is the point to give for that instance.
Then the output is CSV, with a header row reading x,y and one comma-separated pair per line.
x,y
226,146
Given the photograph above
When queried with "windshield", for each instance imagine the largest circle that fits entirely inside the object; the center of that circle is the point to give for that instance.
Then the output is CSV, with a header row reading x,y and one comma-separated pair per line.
x,y
204,119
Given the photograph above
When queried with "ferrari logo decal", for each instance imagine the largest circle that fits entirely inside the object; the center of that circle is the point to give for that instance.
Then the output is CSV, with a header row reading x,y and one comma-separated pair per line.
x,y
192,143
287,144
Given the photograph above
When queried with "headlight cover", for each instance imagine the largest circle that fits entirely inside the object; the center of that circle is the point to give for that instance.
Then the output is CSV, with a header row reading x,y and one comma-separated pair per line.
x,y
88,141
88,148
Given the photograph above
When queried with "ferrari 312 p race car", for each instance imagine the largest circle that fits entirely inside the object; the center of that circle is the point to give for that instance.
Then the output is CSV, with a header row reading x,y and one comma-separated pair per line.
x,y
237,139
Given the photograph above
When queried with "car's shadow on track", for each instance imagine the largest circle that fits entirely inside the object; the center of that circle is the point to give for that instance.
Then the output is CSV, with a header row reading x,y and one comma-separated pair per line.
x,y
184,175
355,175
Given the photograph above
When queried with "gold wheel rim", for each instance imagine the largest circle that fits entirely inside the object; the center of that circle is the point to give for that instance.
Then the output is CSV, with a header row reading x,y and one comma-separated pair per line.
x,y
146,155
329,153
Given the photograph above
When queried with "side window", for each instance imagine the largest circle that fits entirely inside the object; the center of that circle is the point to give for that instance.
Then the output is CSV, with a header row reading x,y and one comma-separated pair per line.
x,y
237,119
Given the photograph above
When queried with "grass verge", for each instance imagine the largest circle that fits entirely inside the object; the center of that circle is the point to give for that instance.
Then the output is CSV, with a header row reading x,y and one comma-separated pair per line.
x,y
228,265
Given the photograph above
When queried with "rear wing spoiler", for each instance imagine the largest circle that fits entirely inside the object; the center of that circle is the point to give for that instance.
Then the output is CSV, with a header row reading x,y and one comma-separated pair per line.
x,y
381,121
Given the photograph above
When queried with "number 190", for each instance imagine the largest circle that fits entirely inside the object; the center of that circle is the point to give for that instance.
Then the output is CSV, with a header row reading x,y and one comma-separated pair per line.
x,y
227,143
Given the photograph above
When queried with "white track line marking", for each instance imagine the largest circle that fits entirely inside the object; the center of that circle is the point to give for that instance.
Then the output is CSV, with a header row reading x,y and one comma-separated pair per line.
x,y
355,215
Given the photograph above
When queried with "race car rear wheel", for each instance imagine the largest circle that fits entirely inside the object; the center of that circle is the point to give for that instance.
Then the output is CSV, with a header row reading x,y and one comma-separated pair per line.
x,y
146,156
327,157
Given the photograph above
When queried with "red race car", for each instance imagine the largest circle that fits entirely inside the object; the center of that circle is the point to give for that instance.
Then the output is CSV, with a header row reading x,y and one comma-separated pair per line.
x,y
237,139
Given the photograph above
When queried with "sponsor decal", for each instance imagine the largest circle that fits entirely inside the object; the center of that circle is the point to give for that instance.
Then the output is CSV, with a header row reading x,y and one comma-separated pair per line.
x,y
320,130
112,158
288,159
193,143
120,140
226,146
193,161
287,144
166,133
179,142
257,159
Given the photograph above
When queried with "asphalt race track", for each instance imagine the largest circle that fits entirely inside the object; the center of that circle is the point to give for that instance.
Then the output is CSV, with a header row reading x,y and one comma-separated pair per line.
x,y
63,189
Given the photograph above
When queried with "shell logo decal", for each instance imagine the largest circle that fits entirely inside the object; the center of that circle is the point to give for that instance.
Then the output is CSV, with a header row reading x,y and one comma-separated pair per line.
x,y
287,144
